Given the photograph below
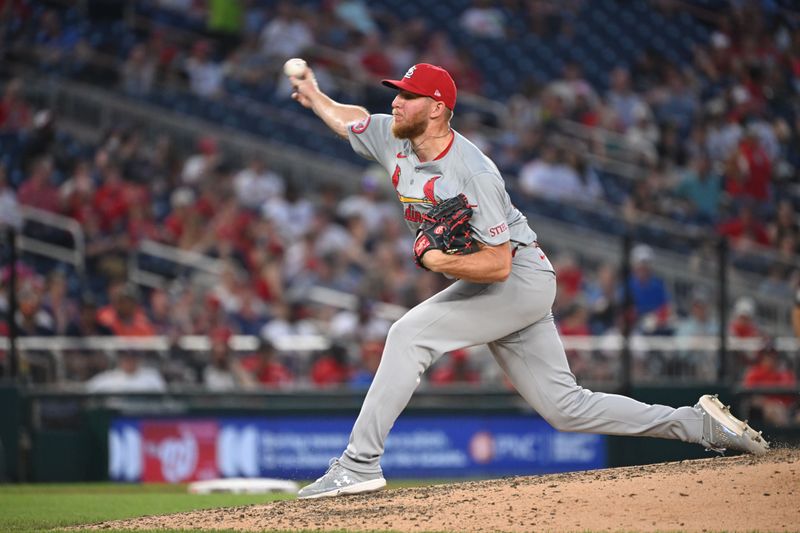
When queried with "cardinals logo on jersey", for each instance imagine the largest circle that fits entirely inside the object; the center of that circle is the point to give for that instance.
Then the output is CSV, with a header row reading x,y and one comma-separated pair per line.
x,y
360,127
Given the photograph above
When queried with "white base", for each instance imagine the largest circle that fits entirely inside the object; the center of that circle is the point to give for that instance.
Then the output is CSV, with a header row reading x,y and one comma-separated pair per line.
x,y
243,486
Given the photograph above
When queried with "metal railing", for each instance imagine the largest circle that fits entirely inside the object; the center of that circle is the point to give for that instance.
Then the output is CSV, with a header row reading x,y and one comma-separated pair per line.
x,y
74,256
595,359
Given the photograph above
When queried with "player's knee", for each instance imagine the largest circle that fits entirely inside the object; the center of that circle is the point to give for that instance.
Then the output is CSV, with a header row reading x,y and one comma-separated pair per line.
x,y
401,333
557,418
560,414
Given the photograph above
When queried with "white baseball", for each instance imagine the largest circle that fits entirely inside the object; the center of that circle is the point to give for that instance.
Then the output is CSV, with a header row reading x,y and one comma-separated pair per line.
x,y
295,67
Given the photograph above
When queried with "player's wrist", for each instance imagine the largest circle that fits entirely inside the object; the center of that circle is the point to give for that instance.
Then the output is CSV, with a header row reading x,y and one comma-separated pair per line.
x,y
432,259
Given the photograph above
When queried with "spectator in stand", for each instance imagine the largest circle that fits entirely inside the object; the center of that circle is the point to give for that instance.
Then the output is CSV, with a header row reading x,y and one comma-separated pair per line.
x,y
331,367
77,193
32,319
205,74
224,371
574,322
570,280
784,224
701,190
549,176
750,171
256,184
644,136
483,20
38,190
603,296
455,370
10,215
124,316
675,101
201,165
363,374
355,15
56,301
572,85
700,322
743,323
744,232
349,327
53,44
400,48
770,370
651,301
372,57
623,100
465,72
85,323
111,201
82,364
287,34
138,72
267,370
129,376
15,113
439,50
288,320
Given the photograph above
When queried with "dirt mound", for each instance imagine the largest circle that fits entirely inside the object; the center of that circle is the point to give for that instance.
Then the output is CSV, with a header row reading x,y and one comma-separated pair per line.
x,y
741,493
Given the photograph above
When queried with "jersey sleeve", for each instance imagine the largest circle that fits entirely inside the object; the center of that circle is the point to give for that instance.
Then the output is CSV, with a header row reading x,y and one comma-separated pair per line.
x,y
372,138
487,193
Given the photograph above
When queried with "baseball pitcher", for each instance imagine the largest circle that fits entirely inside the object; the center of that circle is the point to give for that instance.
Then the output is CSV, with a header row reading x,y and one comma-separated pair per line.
x,y
455,201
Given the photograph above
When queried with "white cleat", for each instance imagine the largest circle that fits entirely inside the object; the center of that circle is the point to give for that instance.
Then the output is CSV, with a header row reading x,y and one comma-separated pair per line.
x,y
339,480
723,431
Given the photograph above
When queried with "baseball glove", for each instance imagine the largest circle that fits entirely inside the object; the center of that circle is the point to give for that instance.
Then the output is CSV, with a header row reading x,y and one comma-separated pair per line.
x,y
446,227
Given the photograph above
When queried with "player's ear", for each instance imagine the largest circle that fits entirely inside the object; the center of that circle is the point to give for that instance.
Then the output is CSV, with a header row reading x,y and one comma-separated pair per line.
x,y
438,109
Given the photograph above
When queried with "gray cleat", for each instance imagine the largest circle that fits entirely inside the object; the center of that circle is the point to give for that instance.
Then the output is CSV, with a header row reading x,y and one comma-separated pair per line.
x,y
339,480
723,431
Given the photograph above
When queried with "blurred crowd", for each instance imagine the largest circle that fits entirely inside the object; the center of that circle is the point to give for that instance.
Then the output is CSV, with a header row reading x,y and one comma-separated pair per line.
x,y
717,139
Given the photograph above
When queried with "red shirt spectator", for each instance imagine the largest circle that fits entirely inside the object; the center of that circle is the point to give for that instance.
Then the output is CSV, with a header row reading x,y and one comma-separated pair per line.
x,y
111,201
264,366
15,113
331,368
754,170
743,324
743,228
456,370
37,191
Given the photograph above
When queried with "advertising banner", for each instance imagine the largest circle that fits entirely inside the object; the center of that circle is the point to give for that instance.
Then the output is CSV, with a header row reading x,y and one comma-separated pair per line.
x,y
177,450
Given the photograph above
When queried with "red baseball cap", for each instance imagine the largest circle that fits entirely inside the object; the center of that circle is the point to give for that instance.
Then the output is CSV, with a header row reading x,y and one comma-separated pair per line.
x,y
427,80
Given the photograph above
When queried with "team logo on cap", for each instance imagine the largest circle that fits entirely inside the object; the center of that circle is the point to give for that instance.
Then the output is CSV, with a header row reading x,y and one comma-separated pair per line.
x,y
410,72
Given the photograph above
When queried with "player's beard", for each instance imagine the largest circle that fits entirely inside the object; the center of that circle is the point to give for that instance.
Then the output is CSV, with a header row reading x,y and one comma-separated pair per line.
x,y
412,128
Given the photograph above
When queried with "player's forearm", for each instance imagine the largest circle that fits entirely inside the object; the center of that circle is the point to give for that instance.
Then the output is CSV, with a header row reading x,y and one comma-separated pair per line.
x,y
488,265
338,117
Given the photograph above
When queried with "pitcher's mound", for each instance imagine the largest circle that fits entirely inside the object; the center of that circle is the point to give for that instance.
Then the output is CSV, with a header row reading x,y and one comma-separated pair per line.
x,y
741,493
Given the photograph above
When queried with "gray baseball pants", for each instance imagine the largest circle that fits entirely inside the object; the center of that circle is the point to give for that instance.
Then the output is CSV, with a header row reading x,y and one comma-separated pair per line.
x,y
514,318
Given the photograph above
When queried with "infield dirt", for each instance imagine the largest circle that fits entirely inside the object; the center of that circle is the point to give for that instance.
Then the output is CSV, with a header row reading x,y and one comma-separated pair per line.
x,y
741,493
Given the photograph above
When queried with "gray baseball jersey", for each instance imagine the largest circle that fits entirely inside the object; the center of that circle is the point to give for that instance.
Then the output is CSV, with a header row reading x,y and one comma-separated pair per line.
x,y
512,317
460,168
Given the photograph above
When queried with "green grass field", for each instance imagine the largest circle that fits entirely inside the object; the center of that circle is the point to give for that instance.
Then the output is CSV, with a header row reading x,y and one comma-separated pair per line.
x,y
36,508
